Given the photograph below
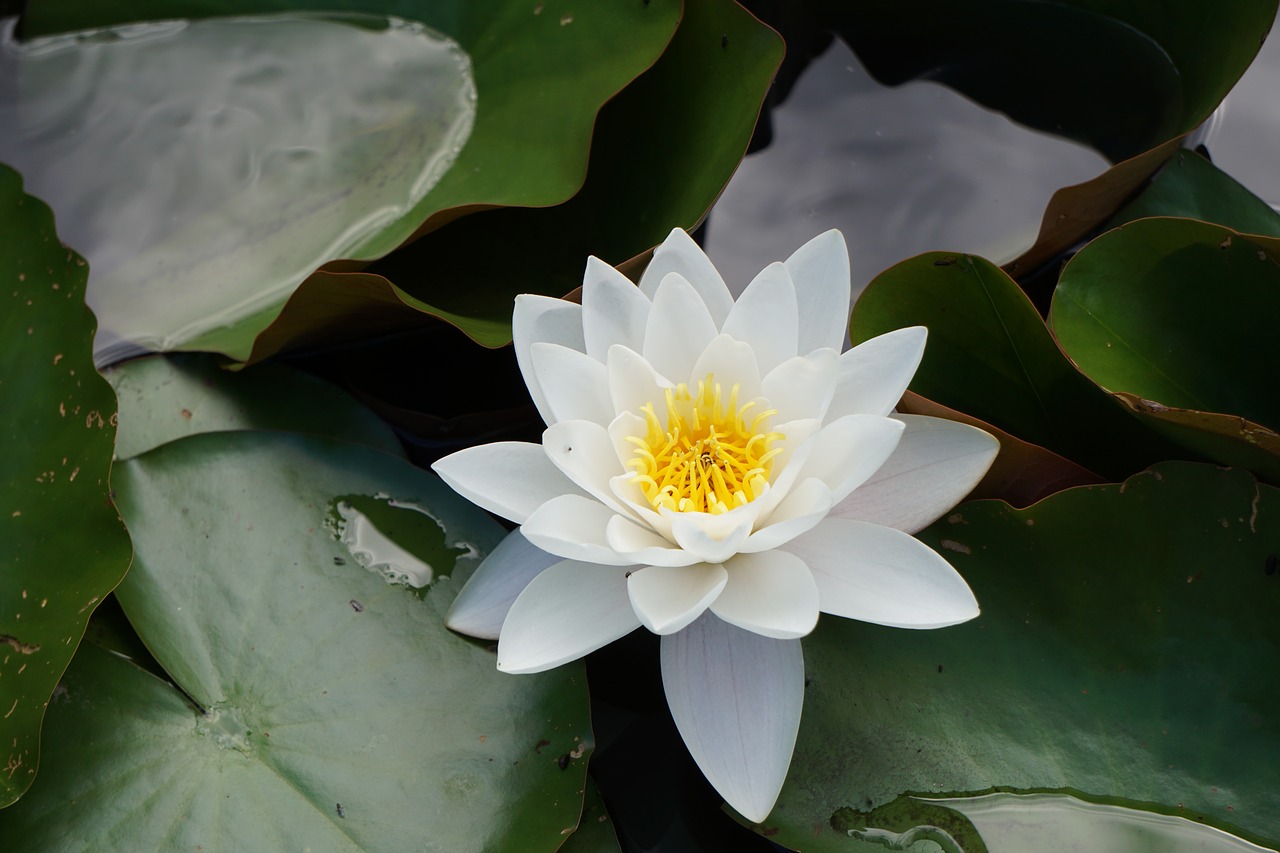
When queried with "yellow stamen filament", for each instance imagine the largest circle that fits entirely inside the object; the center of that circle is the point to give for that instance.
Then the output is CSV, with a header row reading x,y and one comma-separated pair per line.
x,y
711,456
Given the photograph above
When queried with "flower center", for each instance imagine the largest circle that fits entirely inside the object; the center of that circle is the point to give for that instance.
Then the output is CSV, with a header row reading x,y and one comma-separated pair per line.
x,y
710,457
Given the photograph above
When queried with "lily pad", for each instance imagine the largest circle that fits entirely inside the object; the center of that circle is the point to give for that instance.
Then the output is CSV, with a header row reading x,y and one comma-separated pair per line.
x,y
225,187
62,546
527,60
1177,314
315,704
1121,657
990,355
1192,187
163,398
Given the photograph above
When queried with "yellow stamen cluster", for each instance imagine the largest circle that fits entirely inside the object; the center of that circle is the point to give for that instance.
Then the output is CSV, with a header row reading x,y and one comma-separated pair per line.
x,y
709,458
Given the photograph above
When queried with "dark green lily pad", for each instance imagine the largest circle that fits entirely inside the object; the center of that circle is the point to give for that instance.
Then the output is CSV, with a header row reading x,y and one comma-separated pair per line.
x,y
1190,186
990,355
62,546
319,704
1123,655
163,398
1178,315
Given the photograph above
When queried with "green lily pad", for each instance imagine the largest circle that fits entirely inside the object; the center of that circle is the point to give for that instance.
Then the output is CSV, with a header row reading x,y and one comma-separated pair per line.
x,y
317,705
990,355
1177,313
527,60
1122,657
163,398
1190,186
663,150
62,546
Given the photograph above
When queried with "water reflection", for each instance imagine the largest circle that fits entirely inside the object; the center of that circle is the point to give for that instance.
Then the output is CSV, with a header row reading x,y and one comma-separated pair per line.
x,y
900,171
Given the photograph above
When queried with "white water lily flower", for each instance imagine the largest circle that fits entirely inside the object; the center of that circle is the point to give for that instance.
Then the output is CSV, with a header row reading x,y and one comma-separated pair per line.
x,y
718,472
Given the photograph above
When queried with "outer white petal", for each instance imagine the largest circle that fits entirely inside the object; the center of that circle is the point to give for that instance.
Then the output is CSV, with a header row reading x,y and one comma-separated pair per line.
x,y
573,527
849,450
881,575
804,386
483,602
640,544
935,465
820,271
803,507
567,611
736,698
765,316
679,254
508,478
585,453
574,385
678,330
732,362
875,373
614,311
667,599
772,594
634,383
541,318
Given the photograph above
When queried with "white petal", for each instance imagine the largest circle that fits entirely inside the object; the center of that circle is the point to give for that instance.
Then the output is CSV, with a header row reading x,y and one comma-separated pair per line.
x,y
803,387
483,602
678,330
626,490
765,316
574,528
736,698
641,545
668,598
541,318
935,465
614,311
574,385
508,478
772,594
849,450
732,362
802,508
874,374
881,575
634,383
714,538
820,272
567,611
679,254
585,453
